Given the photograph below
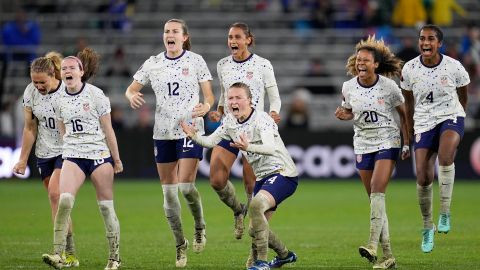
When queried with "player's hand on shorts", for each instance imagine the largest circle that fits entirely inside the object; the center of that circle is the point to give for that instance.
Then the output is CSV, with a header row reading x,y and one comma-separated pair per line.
x,y
405,152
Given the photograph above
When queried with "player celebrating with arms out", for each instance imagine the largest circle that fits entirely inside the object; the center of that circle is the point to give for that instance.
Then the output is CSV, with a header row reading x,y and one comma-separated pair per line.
x,y
435,90
256,72
256,135
370,99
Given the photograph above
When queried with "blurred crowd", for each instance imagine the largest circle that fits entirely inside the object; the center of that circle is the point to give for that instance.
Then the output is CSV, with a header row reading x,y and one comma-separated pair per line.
x,y
22,34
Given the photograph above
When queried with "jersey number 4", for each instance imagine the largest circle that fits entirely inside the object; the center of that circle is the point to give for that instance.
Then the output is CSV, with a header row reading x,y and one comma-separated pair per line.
x,y
430,97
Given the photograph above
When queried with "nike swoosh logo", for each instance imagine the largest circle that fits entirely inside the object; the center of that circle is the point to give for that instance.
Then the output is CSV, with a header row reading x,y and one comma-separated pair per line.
x,y
186,150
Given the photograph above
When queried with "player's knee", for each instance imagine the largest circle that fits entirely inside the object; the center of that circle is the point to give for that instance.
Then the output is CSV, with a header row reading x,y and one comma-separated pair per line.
x,y
187,189
66,201
258,205
445,159
170,195
54,196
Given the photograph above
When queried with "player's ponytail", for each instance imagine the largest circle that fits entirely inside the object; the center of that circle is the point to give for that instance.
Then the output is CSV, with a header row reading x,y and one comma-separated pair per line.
x,y
90,60
49,64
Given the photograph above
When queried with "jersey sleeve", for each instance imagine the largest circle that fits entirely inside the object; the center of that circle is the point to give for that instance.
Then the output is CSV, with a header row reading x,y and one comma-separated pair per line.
x,y
405,83
269,75
346,99
141,75
461,75
396,95
203,73
28,96
221,100
212,139
102,103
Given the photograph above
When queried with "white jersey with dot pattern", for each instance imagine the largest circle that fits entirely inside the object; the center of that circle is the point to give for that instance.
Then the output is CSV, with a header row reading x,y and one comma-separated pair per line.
x,y
434,90
373,109
175,82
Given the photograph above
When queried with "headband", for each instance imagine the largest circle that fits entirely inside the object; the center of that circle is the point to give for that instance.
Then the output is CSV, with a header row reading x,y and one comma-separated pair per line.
x,y
76,59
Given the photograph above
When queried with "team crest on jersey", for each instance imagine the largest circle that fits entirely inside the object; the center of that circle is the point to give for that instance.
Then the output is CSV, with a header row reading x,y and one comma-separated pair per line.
x,y
444,80
86,107
381,101
185,71
418,137
359,158
249,75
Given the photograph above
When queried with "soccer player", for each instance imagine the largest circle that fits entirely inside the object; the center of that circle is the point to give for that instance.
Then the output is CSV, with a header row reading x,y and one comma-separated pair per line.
x,y
256,135
435,90
257,72
40,127
177,75
370,98
89,149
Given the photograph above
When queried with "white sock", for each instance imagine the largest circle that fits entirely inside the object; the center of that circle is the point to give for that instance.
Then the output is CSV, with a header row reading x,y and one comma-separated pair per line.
x,y
172,208
60,227
446,178
112,228
260,227
194,202
227,195
385,238
425,197
377,210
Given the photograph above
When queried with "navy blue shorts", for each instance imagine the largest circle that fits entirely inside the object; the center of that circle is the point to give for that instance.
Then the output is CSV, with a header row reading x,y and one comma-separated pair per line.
x,y
46,166
226,144
281,187
367,161
431,139
89,165
172,150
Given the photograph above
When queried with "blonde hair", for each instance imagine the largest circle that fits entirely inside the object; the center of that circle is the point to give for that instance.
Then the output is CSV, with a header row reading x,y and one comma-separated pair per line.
x,y
49,64
388,64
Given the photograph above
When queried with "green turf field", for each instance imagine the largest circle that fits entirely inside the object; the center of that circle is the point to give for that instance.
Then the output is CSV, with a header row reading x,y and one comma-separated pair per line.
x,y
324,223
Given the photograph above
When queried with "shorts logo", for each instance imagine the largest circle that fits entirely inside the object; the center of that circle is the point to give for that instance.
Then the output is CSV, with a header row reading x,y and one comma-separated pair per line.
x,y
249,75
444,80
359,158
185,71
86,107
155,152
418,137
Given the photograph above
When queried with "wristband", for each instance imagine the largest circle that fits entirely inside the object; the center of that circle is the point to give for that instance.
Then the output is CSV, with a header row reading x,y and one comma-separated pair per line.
x,y
405,148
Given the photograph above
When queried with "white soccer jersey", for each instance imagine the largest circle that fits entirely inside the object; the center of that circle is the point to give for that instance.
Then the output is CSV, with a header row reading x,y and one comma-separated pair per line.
x,y
48,143
175,82
434,90
81,112
255,71
373,109
266,152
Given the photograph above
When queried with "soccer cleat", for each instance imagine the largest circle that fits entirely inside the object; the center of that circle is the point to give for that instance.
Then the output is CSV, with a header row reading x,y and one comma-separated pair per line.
x,y
54,260
386,263
70,260
239,226
369,253
199,240
113,265
259,265
181,259
277,262
427,239
444,223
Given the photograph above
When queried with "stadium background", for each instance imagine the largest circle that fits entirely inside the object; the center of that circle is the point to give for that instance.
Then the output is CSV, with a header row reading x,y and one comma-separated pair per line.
x,y
307,42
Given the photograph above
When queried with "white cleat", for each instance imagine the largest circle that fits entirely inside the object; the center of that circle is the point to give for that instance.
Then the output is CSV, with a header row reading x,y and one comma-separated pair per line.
x,y
386,263
54,260
113,265
181,259
199,240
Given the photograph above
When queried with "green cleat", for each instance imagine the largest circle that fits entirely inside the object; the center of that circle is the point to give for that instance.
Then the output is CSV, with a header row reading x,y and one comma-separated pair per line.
x,y
386,263
444,223
427,239
70,260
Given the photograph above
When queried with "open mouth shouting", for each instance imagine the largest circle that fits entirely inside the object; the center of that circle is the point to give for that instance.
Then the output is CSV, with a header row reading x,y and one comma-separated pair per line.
x,y
234,49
